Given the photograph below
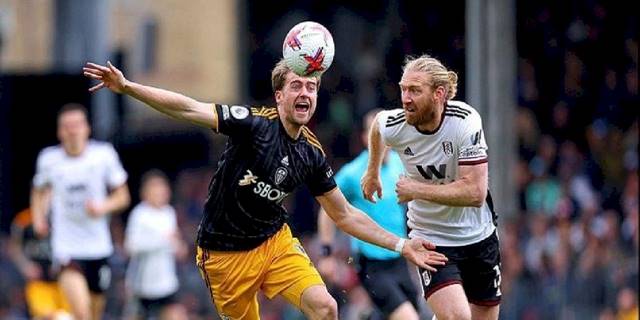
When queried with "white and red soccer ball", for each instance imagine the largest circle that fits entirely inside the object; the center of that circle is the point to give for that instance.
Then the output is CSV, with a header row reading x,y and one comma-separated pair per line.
x,y
308,49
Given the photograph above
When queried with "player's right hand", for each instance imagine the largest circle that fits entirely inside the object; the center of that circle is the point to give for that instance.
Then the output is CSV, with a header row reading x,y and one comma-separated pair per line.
x,y
421,253
370,184
109,77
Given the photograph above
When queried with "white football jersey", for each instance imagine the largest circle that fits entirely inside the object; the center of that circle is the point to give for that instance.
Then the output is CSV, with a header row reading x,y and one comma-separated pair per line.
x,y
73,182
434,157
152,270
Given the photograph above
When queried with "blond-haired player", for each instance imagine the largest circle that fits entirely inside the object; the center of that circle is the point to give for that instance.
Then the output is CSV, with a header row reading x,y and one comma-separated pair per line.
x,y
442,147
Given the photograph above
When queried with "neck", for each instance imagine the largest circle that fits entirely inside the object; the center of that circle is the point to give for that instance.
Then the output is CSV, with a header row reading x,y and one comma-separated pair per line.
x,y
74,150
433,120
292,129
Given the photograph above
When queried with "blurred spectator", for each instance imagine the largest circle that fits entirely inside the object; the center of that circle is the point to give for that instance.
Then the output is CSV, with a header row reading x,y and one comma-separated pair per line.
x,y
154,242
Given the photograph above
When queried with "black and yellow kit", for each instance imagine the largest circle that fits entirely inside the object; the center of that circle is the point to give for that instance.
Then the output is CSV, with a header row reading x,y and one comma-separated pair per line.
x,y
260,166
43,296
244,244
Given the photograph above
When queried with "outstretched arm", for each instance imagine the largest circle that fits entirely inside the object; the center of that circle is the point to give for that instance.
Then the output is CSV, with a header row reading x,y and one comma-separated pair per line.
x,y
359,225
170,103
327,264
470,190
370,182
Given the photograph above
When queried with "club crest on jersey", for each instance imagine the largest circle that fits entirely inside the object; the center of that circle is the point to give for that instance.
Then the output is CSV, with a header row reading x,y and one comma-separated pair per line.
x,y
239,112
281,173
426,278
447,148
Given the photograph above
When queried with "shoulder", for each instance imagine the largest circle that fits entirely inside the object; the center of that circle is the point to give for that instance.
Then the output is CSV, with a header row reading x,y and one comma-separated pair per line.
x,y
95,146
461,111
312,140
264,112
391,118
51,154
138,211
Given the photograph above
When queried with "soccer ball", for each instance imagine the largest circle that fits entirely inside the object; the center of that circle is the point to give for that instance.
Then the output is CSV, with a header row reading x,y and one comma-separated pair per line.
x,y
308,49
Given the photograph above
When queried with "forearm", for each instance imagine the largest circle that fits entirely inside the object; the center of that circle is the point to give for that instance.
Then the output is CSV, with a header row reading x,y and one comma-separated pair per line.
x,y
359,225
376,149
326,228
15,251
118,200
460,193
173,104
39,204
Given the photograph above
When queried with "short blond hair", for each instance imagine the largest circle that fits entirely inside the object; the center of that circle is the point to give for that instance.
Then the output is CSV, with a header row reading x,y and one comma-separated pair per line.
x,y
279,75
440,76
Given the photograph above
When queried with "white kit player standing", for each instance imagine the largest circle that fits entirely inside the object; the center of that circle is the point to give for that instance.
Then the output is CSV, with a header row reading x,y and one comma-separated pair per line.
x,y
82,181
444,153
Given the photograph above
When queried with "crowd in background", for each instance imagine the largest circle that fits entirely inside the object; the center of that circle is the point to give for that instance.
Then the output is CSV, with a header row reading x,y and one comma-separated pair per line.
x,y
571,252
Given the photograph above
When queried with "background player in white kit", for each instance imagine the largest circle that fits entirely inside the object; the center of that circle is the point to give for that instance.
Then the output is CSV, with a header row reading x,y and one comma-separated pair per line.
x,y
444,154
153,240
74,178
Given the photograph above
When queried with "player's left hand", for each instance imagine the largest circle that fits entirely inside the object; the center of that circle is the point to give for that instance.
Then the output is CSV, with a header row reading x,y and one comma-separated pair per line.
x,y
405,189
96,209
421,253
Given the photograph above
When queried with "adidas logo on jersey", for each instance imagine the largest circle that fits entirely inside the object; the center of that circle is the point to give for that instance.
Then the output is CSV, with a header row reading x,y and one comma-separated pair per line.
x,y
408,151
285,161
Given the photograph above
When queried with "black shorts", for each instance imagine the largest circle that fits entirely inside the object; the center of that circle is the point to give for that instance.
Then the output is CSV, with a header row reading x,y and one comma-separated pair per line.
x,y
151,308
476,267
97,272
388,283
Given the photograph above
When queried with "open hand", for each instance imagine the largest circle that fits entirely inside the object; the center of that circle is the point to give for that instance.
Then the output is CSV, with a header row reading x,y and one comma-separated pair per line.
x,y
420,252
109,77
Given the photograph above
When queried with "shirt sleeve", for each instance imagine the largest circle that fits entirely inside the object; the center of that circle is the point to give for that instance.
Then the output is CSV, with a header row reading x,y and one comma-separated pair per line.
x,y
42,178
235,121
116,175
321,180
389,124
472,147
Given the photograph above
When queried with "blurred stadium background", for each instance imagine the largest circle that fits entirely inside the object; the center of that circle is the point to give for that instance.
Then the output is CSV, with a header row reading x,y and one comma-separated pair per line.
x,y
555,81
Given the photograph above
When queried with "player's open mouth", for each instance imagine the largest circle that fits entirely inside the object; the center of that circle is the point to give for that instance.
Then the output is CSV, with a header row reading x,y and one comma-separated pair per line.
x,y
409,109
302,107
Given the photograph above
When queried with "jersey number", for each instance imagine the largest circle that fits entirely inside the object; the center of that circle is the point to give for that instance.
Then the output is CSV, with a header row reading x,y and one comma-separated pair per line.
x,y
497,280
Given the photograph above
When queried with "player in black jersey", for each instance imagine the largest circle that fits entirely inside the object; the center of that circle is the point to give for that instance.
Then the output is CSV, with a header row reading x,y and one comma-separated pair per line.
x,y
32,256
244,244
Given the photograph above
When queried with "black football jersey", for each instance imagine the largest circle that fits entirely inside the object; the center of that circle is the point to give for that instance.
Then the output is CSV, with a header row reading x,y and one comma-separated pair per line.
x,y
35,248
261,165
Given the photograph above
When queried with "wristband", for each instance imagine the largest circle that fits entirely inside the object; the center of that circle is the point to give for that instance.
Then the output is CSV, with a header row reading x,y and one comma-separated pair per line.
x,y
400,245
325,250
